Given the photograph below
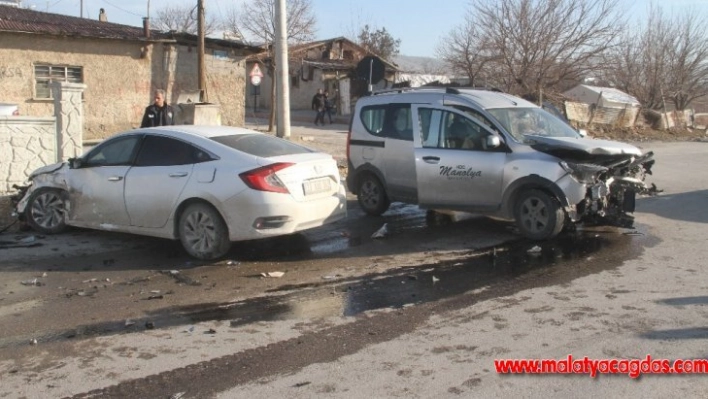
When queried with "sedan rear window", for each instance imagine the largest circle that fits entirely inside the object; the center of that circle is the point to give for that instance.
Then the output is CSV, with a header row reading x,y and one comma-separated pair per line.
x,y
261,145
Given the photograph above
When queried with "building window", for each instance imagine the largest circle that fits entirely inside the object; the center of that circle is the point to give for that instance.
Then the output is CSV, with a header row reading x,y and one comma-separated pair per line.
x,y
295,81
221,55
45,74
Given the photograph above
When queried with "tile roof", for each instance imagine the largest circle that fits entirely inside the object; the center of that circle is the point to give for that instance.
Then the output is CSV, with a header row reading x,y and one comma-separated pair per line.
x,y
15,19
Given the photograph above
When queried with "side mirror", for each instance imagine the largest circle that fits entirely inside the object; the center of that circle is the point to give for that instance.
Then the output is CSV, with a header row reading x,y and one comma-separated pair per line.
x,y
583,132
493,141
75,163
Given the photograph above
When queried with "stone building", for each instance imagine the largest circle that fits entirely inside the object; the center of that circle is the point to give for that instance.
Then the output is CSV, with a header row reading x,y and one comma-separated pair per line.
x,y
326,64
120,66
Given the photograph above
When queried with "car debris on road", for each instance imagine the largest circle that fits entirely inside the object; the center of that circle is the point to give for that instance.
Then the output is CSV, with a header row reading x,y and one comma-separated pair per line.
x,y
273,274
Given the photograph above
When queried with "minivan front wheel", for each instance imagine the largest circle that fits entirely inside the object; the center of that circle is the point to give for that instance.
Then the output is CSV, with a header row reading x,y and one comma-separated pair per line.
x,y
538,215
372,195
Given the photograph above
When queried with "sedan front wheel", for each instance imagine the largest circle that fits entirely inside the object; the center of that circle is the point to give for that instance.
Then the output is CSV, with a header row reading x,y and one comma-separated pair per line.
x,y
46,210
203,232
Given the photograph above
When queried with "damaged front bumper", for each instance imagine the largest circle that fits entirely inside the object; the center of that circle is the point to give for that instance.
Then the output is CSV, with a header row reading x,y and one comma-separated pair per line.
x,y
18,200
610,198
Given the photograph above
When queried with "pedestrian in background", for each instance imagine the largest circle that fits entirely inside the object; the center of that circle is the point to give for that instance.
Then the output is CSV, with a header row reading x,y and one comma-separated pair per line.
x,y
159,113
329,105
318,104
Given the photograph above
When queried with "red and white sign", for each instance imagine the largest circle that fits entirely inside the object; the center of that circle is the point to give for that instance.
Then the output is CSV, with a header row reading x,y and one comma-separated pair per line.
x,y
256,75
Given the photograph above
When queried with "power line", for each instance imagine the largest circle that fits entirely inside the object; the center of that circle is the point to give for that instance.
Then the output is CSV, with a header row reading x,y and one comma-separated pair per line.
x,y
121,9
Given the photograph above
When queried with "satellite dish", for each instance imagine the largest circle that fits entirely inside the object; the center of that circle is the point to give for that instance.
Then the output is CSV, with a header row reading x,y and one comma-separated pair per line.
x,y
371,68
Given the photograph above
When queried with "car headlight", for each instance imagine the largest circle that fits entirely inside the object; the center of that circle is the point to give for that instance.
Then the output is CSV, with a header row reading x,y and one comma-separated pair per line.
x,y
583,172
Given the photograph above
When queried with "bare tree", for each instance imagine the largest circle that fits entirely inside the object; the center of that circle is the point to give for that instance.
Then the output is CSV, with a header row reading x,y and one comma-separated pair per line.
x,y
542,44
257,19
467,53
182,18
379,42
666,59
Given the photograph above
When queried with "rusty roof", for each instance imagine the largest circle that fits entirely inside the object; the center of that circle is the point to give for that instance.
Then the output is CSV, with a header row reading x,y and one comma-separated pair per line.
x,y
20,20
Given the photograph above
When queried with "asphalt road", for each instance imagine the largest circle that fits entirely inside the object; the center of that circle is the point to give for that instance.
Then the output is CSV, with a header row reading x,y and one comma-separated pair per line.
x,y
422,312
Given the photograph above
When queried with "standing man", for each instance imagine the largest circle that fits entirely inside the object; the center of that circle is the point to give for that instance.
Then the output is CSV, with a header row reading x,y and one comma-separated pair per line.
x,y
159,113
329,105
318,104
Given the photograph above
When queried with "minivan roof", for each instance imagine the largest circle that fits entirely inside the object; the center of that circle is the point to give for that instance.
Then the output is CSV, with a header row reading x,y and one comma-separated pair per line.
x,y
487,99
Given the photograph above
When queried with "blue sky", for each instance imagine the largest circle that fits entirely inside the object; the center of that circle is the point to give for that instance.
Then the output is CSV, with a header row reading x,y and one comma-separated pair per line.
x,y
419,24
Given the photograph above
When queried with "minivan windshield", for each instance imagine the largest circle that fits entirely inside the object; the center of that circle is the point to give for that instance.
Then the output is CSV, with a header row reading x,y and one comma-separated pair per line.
x,y
524,123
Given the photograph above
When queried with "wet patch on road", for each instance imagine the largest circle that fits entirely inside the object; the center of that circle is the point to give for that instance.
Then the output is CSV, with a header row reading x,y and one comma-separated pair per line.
x,y
544,264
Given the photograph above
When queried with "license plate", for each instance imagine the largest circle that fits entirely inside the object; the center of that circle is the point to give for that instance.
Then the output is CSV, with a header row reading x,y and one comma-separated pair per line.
x,y
316,186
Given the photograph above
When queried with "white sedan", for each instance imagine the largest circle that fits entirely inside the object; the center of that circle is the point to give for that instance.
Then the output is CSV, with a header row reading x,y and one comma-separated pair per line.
x,y
204,185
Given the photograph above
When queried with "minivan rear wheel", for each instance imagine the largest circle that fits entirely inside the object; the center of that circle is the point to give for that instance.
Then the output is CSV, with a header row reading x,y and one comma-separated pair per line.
x,y
372,195
538,215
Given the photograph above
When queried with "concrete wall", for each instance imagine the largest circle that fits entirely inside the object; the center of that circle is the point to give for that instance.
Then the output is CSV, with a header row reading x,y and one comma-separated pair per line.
x,y
120,77
585,113
226,80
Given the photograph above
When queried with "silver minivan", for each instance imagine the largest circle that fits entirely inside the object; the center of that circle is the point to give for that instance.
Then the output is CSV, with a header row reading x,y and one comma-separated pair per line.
x,y
491,153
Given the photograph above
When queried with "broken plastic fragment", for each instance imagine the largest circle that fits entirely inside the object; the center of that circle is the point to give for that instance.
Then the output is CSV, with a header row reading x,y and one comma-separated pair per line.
x,y
129,323
535,250
28,240
435,279
34,281
273,274
33,341
381,233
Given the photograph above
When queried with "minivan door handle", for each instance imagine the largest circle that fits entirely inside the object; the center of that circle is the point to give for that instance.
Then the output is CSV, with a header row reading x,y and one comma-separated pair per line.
x,y
431,159
115,178
178,174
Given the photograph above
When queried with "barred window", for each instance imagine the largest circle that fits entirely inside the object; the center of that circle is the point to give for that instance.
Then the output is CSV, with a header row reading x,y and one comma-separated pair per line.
x,y
44,74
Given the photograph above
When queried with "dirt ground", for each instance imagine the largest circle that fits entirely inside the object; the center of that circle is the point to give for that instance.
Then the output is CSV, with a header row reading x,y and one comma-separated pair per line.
x,y
644,134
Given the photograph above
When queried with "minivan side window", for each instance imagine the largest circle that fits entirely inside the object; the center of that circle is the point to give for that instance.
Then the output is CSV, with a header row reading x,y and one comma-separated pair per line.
x,y
399,123
393,121
443,129
373,119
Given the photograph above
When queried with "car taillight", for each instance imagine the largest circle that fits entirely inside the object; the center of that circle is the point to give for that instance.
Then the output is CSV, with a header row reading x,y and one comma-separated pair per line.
x,y
16,112
265,179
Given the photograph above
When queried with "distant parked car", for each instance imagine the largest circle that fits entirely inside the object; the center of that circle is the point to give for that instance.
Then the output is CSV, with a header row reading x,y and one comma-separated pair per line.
x,y
9,109
204,185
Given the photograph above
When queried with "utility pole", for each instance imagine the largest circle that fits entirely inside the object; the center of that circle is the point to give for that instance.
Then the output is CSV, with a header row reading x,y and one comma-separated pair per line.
x,y
200,53
281,63
82,8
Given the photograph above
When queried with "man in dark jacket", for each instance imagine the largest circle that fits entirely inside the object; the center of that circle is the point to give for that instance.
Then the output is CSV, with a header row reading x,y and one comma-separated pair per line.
x,y
318,104
159,113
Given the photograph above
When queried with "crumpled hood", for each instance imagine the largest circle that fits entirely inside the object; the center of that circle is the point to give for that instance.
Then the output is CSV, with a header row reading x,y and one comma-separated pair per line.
x,y
47,169
587,145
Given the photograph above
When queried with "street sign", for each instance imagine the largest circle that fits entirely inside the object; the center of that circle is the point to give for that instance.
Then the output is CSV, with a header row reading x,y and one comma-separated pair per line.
x,y
256,75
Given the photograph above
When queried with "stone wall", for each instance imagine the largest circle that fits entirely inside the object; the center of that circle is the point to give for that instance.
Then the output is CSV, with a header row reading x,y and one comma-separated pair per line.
x,y
26,143
120,77
117,74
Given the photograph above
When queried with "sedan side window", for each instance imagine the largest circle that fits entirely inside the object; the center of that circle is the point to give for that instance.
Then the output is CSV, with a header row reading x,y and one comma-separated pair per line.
x,y
115,152
166,151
